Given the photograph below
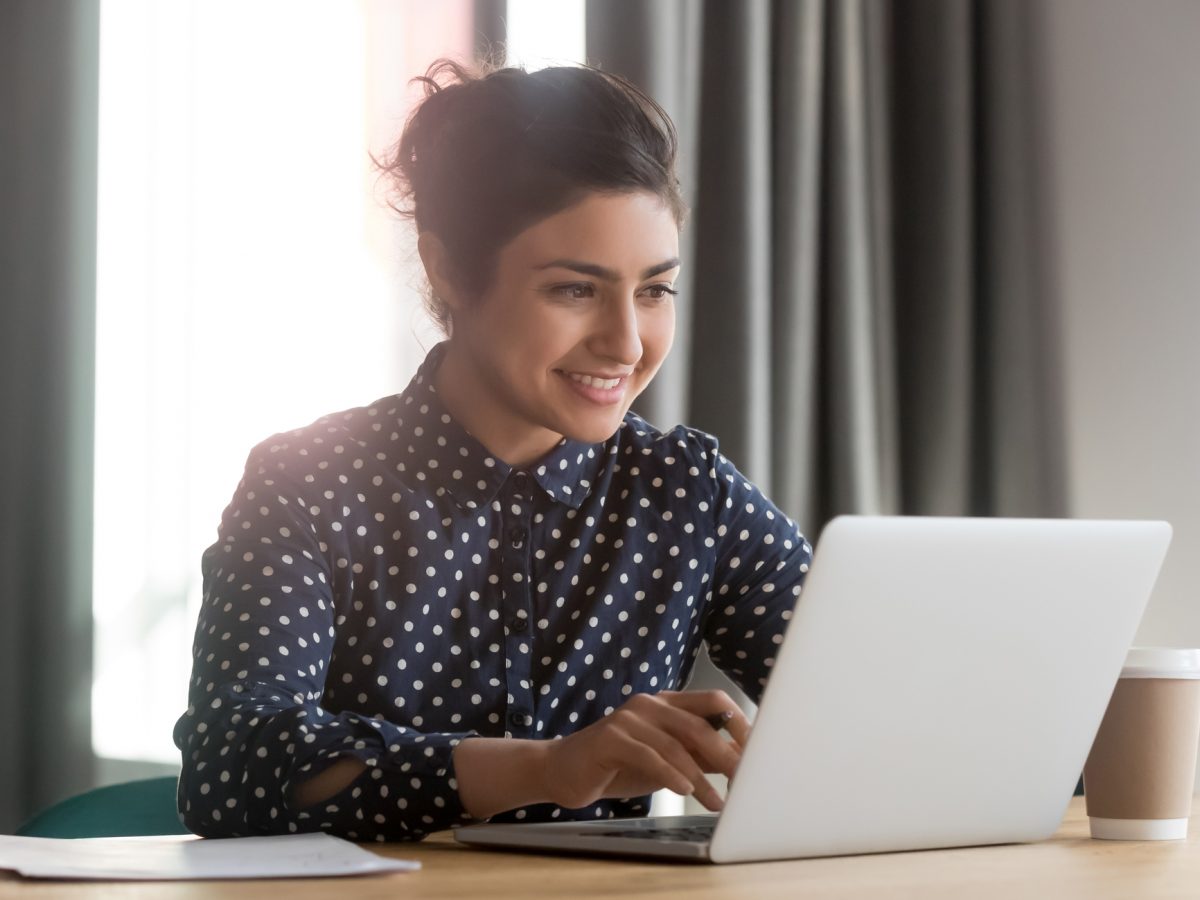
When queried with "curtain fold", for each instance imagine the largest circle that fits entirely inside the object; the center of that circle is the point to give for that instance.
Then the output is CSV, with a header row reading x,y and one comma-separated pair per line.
x,y
797,114
1027,471
866,319
49,62
856,288
733,224
936,257
491,28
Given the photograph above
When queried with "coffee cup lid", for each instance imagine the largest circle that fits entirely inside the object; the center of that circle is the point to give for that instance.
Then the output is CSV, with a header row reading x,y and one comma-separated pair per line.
x,y
1161,662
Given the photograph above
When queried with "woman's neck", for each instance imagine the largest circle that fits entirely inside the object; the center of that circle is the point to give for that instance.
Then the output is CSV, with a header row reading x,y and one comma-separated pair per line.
x,y
470,398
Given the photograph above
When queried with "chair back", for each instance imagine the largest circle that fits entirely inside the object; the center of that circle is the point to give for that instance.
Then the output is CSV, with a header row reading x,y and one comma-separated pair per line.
x,y
143,807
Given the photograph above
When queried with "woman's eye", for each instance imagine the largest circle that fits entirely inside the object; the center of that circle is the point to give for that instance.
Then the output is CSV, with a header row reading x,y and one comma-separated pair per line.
x,y
659,291
579,291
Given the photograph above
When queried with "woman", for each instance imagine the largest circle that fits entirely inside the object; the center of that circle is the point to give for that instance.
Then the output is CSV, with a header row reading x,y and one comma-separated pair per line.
x,y
480,597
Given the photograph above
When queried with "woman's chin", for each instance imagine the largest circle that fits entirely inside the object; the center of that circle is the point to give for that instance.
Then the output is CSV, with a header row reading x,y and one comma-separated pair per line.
x,y
594,432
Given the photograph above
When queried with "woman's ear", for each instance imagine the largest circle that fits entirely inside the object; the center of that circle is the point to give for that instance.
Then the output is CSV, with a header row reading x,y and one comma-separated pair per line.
x,y
437,268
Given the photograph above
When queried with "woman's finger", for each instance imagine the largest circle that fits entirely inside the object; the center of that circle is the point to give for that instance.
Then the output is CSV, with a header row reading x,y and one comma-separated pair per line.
x,y
708,747
629,751
709,703
678,757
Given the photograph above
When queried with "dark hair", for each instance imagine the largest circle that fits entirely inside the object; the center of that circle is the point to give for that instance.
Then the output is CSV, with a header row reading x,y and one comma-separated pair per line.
x,y
488,153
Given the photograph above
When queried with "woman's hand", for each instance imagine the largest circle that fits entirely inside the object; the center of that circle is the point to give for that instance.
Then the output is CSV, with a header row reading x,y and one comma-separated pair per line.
x,y
652,741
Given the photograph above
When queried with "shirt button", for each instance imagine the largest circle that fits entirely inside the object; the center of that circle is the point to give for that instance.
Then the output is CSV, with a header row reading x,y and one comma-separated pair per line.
x,y
516,536
521,483
518,624
518,719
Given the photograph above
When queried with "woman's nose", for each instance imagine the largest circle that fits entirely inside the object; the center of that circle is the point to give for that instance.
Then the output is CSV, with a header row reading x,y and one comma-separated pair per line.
x,y
617,335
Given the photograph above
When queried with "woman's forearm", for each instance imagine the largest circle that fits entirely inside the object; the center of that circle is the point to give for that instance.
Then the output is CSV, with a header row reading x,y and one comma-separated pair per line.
x,y
493,774
498,774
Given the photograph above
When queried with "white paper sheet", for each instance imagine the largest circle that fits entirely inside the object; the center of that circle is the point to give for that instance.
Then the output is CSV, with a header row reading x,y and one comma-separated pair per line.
x,y
177,857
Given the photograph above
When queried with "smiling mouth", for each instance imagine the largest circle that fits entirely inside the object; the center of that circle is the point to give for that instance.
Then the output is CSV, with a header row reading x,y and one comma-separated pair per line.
x,y
606,384
597,389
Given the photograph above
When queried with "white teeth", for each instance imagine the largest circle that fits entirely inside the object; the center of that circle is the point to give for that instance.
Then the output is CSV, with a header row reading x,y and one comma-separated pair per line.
x,y
603,383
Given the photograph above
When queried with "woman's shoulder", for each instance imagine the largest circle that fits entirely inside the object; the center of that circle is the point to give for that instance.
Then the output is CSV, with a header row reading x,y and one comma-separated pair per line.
x,y
344,433
682,442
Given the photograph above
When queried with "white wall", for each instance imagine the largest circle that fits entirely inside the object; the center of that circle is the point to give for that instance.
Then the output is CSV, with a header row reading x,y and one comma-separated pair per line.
x,y
1123,97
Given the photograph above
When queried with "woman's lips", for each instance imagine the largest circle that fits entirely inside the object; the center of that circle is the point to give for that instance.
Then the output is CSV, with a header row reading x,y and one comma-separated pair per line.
x,y
595,391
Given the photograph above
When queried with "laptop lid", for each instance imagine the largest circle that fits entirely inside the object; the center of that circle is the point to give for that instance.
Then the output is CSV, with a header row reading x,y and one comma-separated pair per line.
x,y
940,684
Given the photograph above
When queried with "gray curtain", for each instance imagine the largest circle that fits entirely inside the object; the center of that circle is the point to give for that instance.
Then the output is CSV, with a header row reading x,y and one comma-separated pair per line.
x,y
49,59
490,28
866,315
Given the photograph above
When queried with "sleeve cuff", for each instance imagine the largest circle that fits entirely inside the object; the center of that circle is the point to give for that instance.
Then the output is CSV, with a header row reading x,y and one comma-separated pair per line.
x,y
407,790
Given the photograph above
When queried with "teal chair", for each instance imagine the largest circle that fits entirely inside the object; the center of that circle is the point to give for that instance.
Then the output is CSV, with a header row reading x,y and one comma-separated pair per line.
x,y
134,808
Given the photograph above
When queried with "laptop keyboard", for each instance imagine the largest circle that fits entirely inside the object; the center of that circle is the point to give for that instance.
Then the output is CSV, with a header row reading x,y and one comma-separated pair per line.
x,y
698,833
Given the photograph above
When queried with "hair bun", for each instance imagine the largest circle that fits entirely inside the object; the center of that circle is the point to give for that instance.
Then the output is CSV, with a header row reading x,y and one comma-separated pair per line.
x,y
488,152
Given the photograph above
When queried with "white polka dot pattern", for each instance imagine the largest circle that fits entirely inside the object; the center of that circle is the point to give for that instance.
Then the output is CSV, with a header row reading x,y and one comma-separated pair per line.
x,y
382,588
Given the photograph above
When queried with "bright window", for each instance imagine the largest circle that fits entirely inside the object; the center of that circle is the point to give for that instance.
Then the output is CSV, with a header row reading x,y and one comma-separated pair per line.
x,y
545,33
250,280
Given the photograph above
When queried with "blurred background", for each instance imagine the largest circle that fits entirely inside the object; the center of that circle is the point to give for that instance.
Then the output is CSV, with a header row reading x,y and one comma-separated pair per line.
x,y
943,258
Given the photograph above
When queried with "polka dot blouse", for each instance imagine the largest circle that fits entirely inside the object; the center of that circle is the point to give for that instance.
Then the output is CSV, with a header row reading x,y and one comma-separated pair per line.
x,y
382,588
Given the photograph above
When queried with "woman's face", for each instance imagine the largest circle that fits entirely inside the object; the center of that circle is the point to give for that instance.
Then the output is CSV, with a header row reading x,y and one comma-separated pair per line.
x,y
577,320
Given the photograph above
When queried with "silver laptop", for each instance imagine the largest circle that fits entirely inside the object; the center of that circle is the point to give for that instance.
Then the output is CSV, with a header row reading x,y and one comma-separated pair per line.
x,y
940,685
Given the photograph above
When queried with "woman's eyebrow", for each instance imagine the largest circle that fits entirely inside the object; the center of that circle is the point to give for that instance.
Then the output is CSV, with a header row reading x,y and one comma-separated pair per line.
x,y
606,274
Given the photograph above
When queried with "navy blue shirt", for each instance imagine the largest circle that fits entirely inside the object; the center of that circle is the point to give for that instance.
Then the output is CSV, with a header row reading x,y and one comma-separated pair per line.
x,y
382,588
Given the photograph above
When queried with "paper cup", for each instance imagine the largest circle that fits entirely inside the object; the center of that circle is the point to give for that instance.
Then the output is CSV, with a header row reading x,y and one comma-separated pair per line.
x,y
1140,774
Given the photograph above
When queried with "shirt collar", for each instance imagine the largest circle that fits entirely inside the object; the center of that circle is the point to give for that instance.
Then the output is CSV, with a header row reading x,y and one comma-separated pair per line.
x,y
443,454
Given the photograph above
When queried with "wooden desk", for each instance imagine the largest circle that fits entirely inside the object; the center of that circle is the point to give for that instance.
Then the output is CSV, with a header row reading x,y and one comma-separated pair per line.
x,y
1070,865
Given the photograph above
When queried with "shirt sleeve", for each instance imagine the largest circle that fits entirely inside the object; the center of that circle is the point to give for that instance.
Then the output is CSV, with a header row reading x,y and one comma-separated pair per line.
x,y
761,563
255,727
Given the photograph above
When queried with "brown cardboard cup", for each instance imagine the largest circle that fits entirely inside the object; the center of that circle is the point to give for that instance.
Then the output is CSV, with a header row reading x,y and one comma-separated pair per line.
x,y
1139,777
